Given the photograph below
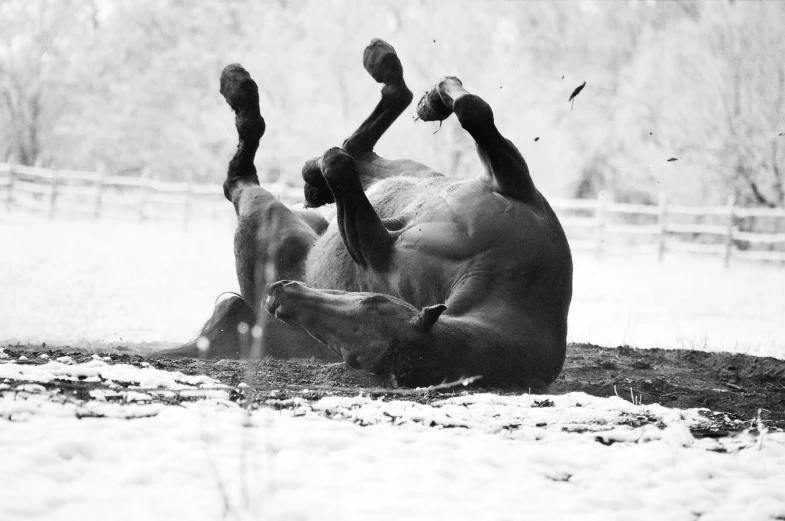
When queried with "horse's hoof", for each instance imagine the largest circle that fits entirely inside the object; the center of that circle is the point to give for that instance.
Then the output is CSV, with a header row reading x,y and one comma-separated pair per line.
x,y
316,197
241,93
431,107
317,192
382,63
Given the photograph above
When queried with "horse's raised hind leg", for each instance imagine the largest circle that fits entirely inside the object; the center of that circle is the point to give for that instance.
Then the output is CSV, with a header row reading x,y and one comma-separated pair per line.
x,y
367,240
270,242
505,167
242,94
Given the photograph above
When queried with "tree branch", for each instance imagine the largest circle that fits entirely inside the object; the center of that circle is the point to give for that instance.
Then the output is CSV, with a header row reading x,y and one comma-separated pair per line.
x,y
779,180
761,199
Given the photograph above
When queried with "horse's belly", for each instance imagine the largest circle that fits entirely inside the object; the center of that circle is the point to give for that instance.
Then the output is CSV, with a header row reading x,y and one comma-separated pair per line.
x,y
329,265
415,277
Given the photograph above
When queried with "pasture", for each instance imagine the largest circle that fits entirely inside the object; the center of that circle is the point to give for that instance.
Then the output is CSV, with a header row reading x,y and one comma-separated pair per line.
x,y
103,284
130,439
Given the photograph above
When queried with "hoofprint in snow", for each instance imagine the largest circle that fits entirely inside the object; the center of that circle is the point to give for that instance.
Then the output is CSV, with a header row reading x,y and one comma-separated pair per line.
x,y
152,444
99,284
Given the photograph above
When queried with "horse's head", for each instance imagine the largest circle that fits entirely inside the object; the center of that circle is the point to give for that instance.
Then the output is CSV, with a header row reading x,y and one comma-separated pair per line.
x,y
362,327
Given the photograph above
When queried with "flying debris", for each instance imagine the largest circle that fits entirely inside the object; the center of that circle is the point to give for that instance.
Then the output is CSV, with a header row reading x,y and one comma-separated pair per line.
x,y
673,159
577,91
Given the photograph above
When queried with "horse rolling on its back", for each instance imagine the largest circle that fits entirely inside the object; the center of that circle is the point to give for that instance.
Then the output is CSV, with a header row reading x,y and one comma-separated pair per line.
x,y
419,276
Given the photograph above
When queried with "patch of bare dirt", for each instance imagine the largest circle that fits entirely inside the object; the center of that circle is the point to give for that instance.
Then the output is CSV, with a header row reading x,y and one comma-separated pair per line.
x,y
734,385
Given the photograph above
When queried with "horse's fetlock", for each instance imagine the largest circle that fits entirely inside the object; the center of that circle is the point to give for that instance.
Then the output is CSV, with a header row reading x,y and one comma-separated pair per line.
x,y
473,111
250,127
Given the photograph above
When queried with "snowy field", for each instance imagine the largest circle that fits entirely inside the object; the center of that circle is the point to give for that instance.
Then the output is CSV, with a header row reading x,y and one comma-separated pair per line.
x,y
122,454
113,283
469,457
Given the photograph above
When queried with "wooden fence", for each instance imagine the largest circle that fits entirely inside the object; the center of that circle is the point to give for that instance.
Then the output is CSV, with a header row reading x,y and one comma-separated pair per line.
x,y
731,231
96,195
598,225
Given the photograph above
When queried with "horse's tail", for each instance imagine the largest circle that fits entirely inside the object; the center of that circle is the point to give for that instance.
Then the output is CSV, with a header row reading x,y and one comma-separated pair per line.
x,y
219,334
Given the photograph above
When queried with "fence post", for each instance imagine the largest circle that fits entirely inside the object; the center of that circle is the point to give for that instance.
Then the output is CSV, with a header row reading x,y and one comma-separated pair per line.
x,y
9,200
99,191
729,232
145,192
600,226
662,220
188,201
53,198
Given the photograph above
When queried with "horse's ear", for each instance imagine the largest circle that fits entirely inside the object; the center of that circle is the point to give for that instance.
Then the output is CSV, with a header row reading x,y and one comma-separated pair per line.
x,y
428,317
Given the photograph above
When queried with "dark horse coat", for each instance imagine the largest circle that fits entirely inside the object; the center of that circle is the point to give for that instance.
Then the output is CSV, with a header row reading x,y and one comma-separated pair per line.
x,y
424,277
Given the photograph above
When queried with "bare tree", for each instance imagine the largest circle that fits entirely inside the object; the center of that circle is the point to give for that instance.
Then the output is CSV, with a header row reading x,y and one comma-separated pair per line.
x,y
36,38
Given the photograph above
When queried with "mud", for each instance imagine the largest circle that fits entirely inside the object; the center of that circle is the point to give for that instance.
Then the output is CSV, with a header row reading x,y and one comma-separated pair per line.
x,y
735,386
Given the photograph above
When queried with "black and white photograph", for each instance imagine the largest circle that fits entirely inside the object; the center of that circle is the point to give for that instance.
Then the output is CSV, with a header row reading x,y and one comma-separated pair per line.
x,y
392,259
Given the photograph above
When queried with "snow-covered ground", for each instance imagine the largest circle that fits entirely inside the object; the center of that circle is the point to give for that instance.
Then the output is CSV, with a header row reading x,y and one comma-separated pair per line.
x,y
468,457
122,454
114,283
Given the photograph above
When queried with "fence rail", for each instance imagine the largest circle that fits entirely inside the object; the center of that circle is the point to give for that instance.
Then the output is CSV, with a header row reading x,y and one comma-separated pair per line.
x,y
722,237
97,195
590,224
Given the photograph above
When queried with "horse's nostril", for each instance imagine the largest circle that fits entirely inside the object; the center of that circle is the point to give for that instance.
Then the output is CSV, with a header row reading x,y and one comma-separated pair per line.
x,y
270,304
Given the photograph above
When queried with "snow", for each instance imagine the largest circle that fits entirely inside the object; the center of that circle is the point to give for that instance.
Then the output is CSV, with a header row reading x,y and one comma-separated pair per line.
x,y
685,303
94,284
128,449
478,456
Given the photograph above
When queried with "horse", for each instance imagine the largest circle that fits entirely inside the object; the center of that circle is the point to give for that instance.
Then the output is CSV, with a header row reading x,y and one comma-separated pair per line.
x,y
420,277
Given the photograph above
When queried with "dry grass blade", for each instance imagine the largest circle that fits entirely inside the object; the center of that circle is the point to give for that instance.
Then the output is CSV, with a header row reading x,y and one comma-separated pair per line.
x,y
371,390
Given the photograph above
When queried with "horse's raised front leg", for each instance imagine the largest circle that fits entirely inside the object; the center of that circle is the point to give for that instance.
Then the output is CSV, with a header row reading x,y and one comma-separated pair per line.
x,y
368,242
505,168
382,63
